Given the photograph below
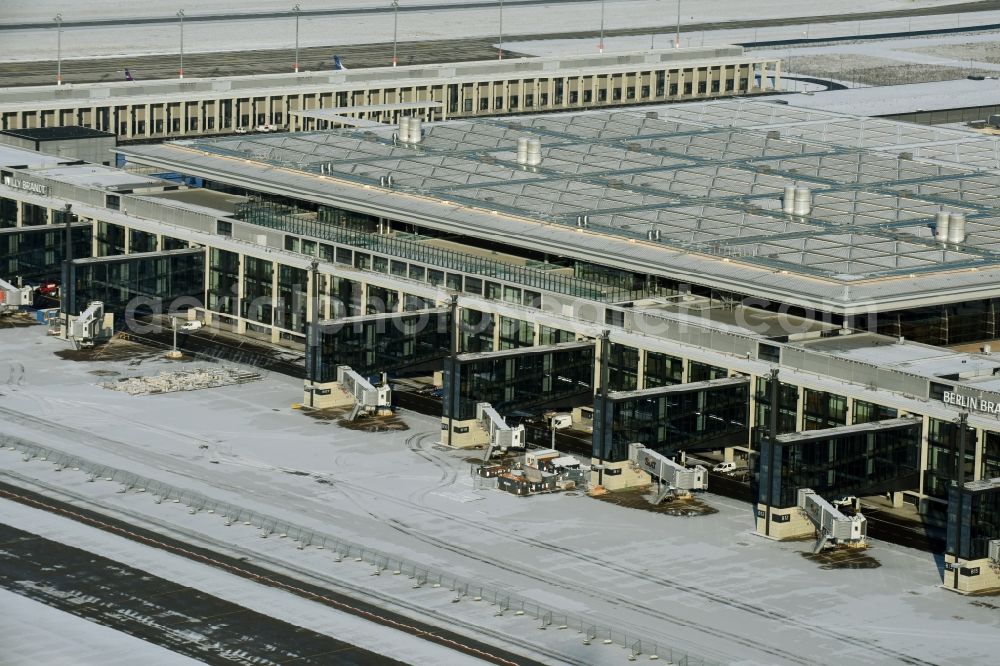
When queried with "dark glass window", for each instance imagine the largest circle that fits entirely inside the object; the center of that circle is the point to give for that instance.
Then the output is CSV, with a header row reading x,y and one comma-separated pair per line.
x,y
788,396
223,281
515,333
623,364
866,412
674,419
823,410
256,305
519,382
663,370
700,372
943,455
477,331
141,241
838,464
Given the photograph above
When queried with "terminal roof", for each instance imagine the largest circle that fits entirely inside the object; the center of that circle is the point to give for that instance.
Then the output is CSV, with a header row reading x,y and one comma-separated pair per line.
x,y
60,133
892,100
708,177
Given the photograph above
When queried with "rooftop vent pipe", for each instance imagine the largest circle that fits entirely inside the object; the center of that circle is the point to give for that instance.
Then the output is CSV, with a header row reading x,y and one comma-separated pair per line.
x,y
956,228
416,130
653,234
941,226
404,129
803,201
522,150
534,152
788,200
582,221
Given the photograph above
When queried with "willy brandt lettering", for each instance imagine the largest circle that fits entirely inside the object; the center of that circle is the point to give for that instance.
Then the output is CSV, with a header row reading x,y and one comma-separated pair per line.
x,y
26,185
971,403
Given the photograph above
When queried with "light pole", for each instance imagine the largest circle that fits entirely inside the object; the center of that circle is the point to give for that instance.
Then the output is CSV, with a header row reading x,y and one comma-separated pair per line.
x,y
180,15
395,28
600,44
296,10
58,20
677,37
500,56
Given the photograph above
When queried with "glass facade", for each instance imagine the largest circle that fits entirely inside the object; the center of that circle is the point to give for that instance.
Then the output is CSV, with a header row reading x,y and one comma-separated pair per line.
x,y
552,336
380,343
950,324
991,455
33,216
823,410
293,298
345,297
973,519
685,416
623,363
141,241
223,281
788,397
702,372
873,459
942,456
866,412
8,213
258,277
381,299
477,331
663,370
110,239
140,283
37,252
517,381
355,230
515,333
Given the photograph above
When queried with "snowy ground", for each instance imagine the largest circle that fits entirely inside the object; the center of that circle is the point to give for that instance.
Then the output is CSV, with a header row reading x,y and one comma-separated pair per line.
x,y
34,648
30,636
705,585
89,42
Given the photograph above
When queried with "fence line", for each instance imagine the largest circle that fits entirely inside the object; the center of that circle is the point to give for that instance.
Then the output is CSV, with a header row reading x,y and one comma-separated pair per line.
x,y
343,549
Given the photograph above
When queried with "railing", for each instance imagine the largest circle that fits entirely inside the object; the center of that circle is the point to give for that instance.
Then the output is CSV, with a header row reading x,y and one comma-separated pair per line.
x,y
341,549
288,220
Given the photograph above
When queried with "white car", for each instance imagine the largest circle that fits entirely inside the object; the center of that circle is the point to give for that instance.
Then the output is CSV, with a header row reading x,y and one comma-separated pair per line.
x,y
191,326
725,468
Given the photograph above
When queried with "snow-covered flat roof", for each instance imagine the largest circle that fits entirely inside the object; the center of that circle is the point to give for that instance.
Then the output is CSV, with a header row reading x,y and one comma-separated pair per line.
x,y
691,191
892,100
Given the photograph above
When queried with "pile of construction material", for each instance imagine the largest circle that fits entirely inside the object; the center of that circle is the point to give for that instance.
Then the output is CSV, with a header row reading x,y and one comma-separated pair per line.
x,y
171,382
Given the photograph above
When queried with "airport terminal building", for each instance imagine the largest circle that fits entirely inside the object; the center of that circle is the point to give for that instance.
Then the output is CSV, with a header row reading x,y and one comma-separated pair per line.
x,y
172,109
809,291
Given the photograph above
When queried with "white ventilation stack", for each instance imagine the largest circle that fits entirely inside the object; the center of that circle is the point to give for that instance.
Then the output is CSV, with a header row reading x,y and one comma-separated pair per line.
x,y
416,130
941,221
788,200
522,150
404,129
956,228
803,201
534,152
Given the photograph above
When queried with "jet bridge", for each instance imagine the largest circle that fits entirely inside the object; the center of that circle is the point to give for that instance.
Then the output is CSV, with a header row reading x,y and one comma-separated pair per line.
x,y
93,325
502,436
12,298
673,477
367,398
833,526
